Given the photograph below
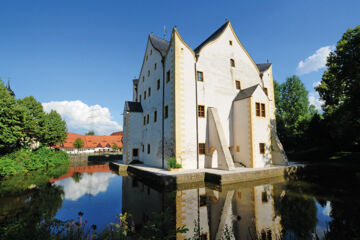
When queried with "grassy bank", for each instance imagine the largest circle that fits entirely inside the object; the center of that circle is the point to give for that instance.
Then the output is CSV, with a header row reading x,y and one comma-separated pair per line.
x,y
23,160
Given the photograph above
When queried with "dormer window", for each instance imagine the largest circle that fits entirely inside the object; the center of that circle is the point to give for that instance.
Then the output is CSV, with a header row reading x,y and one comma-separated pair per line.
x,y
232,62
148,73
150,51
230,42
155,66
143,78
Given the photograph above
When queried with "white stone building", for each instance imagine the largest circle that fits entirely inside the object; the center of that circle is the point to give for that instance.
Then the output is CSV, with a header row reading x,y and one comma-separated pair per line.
x,y
210,107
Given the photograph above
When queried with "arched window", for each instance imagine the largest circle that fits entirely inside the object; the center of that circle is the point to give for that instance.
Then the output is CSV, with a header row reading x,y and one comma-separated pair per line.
x,y
232,62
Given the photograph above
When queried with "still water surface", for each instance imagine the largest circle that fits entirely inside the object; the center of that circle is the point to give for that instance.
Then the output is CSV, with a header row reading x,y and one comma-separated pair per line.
x,y
304,207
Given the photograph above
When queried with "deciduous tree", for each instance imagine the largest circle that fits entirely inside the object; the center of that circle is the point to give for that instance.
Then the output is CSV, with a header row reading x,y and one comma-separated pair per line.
x,y
92,132
78,143
292,111
34,118
340,88
11,121
54,129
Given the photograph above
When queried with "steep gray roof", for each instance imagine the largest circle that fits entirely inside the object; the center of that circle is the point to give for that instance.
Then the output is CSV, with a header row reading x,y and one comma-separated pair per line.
x,y
159,44
133,106
212,37
246,93
263,66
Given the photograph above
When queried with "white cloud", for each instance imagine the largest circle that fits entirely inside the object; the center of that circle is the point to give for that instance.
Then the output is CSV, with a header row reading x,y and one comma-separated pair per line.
x,y
88,184
315,84
315,100
315,61
81,117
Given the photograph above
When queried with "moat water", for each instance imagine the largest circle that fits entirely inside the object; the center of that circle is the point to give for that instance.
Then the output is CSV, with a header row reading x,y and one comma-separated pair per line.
x,y
308,206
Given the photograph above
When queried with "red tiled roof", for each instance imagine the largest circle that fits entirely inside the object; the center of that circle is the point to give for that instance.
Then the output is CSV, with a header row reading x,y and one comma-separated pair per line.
x,y
92,141
117,133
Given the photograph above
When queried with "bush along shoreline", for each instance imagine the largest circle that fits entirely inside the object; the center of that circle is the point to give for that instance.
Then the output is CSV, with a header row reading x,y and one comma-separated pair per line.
x,y
23,160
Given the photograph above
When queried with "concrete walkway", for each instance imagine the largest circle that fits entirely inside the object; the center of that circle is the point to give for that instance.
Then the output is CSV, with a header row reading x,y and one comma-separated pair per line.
x,y
170,179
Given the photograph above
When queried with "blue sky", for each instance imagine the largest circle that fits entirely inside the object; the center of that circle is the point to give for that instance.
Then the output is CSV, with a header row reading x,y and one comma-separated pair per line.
x,y
87,52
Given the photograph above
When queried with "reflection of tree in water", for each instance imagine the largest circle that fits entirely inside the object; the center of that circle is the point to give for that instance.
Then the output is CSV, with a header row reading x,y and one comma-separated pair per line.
x,y
30,209
28,200
339,184
297,211
77,177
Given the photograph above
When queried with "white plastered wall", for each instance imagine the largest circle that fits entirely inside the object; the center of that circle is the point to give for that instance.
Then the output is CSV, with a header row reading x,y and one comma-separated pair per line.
x,y
151,104
261,131
218,89
242,134
185,103
133,135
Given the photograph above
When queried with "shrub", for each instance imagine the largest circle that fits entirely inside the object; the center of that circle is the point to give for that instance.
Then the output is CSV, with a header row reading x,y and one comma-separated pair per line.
x,y
22,160
172,163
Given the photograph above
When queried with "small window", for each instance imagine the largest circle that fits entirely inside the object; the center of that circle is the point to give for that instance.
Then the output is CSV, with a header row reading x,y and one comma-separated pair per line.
x,y
201,110
158,84
146,57
202,200
166,112
168,76
263,112
230,42
148,148
262,148
144,120
200,76
147,119
135,152
232,62
150,51
140,98
149,92
238,84
264,197
143,78
143,147
266,91
144,95
237,148
155,66
257,106
201,148
148,73
155,116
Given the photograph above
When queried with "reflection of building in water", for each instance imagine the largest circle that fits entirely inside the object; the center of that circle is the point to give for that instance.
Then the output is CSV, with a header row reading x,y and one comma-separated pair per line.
x,y
246,211
141,201
82,169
